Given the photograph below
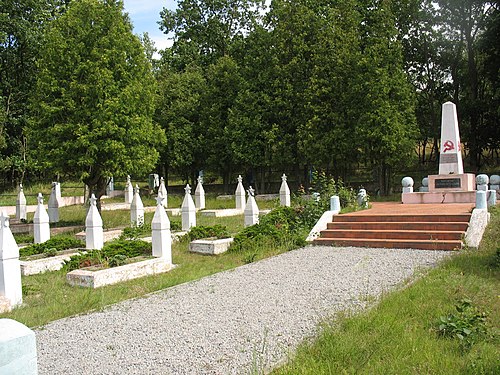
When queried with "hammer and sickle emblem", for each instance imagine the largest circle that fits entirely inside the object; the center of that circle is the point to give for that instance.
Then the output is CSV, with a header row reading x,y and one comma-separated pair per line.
x,y
448,146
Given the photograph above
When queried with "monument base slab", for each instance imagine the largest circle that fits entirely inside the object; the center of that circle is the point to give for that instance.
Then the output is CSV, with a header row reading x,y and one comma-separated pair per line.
x,y
439,197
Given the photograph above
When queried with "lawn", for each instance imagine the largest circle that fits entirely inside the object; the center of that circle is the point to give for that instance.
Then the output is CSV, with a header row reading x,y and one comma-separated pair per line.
x,y
444,323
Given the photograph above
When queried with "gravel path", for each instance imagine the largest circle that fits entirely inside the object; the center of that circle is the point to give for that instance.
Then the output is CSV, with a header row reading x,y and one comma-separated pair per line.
x,y
235,322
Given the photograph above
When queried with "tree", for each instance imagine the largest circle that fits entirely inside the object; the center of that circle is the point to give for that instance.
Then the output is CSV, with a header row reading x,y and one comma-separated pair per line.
x,y
94,102
21,32
204,29
179,112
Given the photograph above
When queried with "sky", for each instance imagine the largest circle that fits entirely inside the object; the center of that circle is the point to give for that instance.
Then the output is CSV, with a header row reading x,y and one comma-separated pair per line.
x,y
145,14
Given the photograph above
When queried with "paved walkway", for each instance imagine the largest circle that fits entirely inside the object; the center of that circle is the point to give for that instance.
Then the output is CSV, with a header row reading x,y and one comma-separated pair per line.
x,y
395,208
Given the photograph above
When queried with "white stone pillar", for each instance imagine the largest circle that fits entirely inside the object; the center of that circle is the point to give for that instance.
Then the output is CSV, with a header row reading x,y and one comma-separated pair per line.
x,y
495,182
129,191
162,193
284,192
94,237
18,348
161,237
21,204
491,198
450,155
407,183
482,181
481,200
137,209
58,190
199,195
41,228
240,195
53,205
425,185
10,267
251,209
361,198
188,210
335,203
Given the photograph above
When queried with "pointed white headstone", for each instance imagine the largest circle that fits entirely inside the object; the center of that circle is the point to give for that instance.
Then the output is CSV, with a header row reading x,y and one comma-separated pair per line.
x,y
41,228
240,195
53,205
21,204
199,195
161,237
94,237
284,192
137,209
10,268
188,210
251,209
450,155
162,193
129,191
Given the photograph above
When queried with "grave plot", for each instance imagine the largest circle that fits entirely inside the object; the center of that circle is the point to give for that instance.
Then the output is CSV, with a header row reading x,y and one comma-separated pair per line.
x,y
48,256
209,240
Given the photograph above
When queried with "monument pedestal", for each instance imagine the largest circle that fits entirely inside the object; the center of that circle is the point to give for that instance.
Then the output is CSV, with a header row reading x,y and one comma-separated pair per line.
x,y
445,188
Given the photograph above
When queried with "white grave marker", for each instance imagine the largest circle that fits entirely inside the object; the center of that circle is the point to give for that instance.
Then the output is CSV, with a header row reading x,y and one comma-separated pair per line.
x,y
284,192
188,210
129,191
53,205
41,228
161,237
251,209
94,237
137,209
21,204
240,194
199,195
162,193
10,267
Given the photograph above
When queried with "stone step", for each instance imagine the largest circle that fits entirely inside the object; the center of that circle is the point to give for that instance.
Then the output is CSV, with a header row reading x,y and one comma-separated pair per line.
x,y
424,226
393,234
403,218
391,243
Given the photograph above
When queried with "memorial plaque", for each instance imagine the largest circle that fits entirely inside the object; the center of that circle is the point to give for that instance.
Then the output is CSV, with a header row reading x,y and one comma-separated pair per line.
x,y
448,158
447,183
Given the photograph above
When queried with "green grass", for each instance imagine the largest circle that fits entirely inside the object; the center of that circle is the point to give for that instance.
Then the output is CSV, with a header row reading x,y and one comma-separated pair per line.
x,y
70,188
399,335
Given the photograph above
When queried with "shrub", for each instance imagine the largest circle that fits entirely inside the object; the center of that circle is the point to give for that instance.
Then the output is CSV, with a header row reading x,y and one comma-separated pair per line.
x,y
467,324
217,231
135,232
112,254
58,243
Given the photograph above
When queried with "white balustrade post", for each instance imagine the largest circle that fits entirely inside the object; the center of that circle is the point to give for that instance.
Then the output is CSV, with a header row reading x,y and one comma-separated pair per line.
x,y
53,205
251,209
10,267
129,191
240,195
284,192
161,237
188,210
199,195
94,237
137,209
407,183
162,193
21,204
482,181
41,228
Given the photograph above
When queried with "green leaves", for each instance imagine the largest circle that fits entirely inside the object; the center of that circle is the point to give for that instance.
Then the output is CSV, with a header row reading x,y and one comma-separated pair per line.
x,y
95,97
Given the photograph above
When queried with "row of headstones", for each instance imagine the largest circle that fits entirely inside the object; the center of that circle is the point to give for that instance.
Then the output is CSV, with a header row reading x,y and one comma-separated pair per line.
x,y
199,194
485,197
53,206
